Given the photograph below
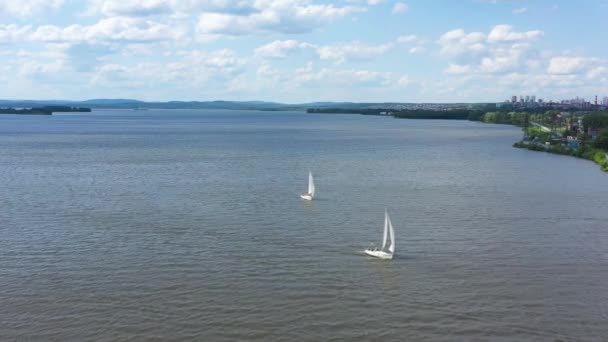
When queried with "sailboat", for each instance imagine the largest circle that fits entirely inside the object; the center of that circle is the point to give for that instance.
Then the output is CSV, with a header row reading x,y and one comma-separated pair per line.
x,y
311,188
388,248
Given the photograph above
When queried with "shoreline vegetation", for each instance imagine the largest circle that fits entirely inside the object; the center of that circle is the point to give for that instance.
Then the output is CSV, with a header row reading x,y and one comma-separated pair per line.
x,y
46,110
580,134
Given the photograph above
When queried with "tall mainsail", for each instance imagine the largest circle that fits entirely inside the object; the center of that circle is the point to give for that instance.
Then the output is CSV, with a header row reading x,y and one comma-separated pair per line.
x,y
385,229
311,185
391,248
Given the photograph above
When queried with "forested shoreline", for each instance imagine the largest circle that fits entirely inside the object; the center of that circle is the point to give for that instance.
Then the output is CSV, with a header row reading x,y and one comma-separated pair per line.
x,y
46,110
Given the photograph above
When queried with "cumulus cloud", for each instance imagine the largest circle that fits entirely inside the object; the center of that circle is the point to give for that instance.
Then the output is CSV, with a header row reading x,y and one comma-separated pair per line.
x,y
567,65
199,67
400,7
540,81
457,42
267,71
12,33
297,16
342,77
232,18
339,53
130,7
597,72
109,29
162,7
502,50
280,49
457,69
354,51
28,8
505,33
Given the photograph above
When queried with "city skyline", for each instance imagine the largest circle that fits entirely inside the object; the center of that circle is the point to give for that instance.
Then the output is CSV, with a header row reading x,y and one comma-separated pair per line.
x,y
303,50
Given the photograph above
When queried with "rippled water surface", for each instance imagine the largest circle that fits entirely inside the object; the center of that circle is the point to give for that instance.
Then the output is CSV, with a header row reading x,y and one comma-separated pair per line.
x,y
187,225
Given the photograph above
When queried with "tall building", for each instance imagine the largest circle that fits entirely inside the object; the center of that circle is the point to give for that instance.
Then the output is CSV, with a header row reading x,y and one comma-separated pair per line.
x,y
514,98
527,98
533,98
605,101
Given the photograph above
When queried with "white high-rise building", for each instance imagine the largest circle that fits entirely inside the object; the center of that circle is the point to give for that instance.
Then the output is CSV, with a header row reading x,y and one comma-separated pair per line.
x,y
533,98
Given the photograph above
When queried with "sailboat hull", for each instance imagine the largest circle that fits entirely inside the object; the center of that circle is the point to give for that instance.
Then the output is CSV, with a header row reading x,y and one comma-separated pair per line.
x,y
379,254
306,197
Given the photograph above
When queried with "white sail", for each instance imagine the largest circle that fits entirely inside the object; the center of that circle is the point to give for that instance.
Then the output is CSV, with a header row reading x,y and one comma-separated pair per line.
x,y
311,185
385,235
391,247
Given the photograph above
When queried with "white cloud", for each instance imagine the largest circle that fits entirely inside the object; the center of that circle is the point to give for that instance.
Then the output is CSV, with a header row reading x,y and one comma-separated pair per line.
x,y
567,65
400,7
540,81
12,33
457,42
138,8
416,50
109,29
412,39
28,8
405,81
342,77
369,2
296,16
408,39
279,49
352,51
199,67
458,69
505,33
520,10
266,71
130,7
502,50
497,64
597,71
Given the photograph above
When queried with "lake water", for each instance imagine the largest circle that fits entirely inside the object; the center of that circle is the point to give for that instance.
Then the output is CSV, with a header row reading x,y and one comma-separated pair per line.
x,y
187,225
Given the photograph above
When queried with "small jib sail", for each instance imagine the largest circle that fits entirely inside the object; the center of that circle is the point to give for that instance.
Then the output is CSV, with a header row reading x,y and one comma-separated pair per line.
x,y
388,241
311,188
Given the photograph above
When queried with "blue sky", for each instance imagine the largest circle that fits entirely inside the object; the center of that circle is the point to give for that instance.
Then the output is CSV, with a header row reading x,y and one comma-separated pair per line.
x,y
303,50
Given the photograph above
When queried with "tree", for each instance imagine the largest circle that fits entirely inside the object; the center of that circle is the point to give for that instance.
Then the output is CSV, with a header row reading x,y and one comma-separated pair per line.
x,y
601,141
595,120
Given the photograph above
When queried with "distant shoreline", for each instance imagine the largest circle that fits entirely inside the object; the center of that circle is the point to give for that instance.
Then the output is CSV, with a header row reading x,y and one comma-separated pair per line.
x,y
46,110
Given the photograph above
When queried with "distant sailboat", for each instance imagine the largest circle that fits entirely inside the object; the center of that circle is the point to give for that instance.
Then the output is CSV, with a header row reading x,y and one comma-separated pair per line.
x,y
388,250
311,188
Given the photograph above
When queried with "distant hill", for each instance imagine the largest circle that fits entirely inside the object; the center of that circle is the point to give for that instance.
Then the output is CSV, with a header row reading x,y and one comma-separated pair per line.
x,y
237,105
134,104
